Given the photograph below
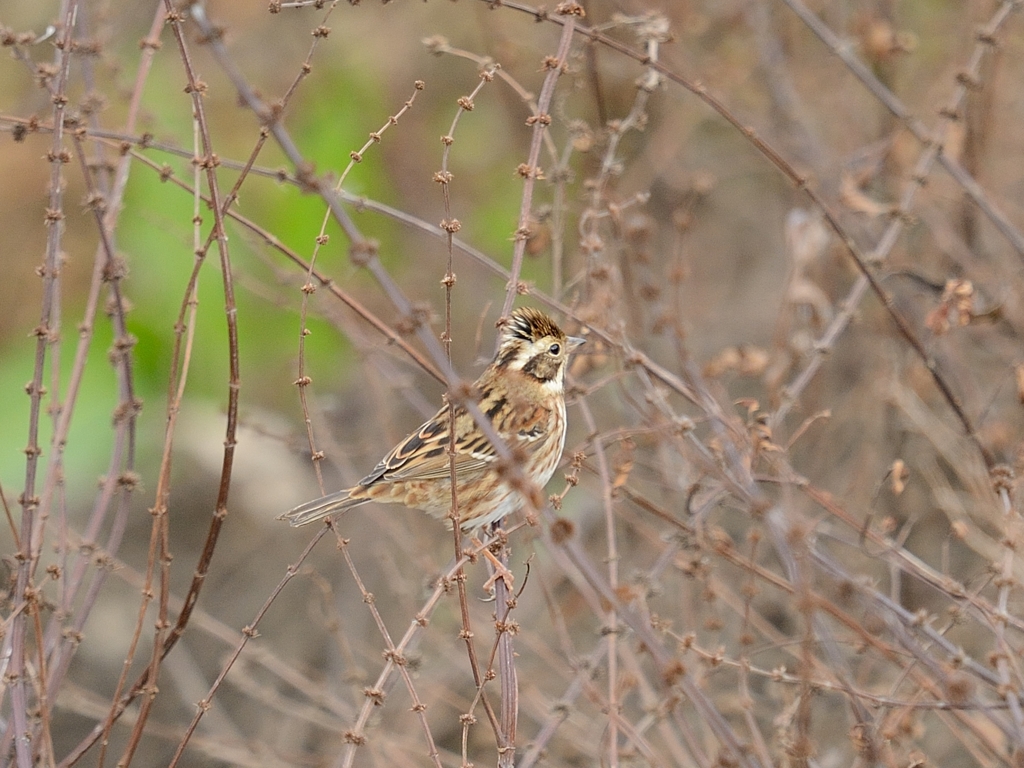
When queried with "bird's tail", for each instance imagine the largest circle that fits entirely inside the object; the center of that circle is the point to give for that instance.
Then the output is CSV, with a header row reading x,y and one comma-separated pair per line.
x,y
318,509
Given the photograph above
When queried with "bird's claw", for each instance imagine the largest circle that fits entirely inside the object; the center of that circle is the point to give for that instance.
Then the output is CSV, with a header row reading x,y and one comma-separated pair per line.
x,y
500,572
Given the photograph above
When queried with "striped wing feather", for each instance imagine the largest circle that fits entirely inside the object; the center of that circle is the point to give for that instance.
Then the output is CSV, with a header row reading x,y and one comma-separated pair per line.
x,y
423,455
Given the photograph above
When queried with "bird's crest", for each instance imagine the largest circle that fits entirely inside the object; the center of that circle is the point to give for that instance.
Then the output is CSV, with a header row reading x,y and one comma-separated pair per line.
x,y
529,324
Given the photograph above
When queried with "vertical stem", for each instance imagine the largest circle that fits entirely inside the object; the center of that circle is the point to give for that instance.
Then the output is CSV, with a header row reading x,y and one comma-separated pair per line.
x,y
451,225
530,171
504,603
46,333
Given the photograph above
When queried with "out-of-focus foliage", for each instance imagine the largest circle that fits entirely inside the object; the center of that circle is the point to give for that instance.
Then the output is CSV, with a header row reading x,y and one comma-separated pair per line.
x,y
782,544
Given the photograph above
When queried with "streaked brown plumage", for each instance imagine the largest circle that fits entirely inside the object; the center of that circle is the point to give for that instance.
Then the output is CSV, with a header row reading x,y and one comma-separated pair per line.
x,y
521,391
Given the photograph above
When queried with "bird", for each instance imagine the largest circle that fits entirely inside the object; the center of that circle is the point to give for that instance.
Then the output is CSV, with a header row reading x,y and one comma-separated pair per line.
x,y
521,392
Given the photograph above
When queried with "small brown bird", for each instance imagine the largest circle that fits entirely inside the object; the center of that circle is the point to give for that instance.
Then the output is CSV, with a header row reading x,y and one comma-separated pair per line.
x,y
521,392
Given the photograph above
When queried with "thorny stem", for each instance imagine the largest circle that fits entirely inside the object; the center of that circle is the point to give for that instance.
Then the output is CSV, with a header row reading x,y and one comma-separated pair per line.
x,y
672,672
1006,661
451,225
530,172
393,655
46,334
348,300
125,417
894,554
931,153
559,163
776,581
356,735
159,550
323,280
863,263
642,360
120,476
612,558
363,251
591,245
248,633
117,479
504,603
303,381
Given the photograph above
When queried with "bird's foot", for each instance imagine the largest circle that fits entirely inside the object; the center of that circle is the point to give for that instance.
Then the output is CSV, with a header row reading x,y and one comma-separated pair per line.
x,y
501,571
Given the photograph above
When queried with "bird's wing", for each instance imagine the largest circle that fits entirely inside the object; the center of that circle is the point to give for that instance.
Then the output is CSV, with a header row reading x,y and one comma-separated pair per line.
x,y
423,455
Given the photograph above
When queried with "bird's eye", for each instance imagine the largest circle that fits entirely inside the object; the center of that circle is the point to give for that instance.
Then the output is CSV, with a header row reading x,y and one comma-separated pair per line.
x,y
554,349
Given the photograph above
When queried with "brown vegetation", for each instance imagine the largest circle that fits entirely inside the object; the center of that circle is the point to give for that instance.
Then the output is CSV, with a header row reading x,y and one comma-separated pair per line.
x,y
239,265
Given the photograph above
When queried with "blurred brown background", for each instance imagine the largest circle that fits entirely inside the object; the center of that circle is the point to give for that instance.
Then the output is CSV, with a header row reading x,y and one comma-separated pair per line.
x,y
772,483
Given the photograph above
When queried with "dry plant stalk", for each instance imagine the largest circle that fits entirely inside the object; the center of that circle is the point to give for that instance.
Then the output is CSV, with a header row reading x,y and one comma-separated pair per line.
x,y
788,526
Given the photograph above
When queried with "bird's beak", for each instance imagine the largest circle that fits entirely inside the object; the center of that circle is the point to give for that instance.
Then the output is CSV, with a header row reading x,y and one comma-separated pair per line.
x,y
575,341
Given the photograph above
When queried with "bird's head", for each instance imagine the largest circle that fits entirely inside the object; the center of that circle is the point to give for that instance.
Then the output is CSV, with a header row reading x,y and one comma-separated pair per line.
x,y
531,342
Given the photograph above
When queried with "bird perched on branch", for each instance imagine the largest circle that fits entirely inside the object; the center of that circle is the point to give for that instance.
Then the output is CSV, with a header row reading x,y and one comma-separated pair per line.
x,y
522,393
